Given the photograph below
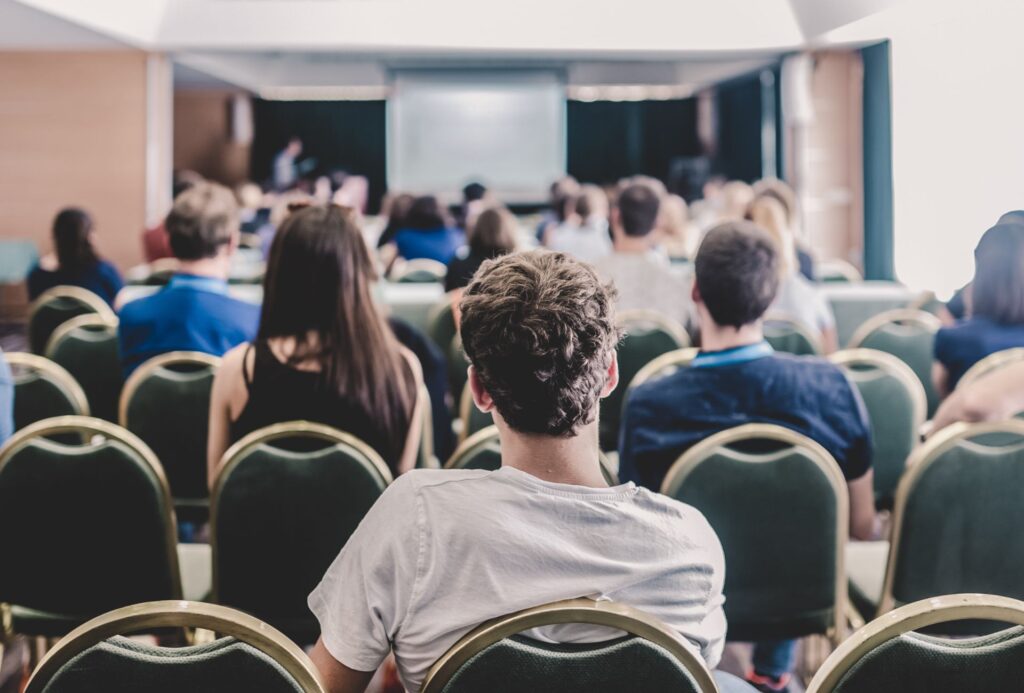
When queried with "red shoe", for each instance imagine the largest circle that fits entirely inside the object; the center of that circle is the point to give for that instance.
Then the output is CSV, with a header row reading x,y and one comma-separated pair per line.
x,y
769,684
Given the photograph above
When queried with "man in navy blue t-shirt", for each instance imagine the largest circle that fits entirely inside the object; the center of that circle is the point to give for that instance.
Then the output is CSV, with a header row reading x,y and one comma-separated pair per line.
x,y
194,311
737,379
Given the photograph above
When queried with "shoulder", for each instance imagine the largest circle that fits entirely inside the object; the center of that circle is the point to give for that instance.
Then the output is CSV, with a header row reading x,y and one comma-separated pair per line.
x,y
107,269
410,486
679,520
140,308
815,370
672,387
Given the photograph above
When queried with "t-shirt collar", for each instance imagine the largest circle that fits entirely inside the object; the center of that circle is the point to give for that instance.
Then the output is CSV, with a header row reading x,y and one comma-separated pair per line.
x,y
725,357
198,283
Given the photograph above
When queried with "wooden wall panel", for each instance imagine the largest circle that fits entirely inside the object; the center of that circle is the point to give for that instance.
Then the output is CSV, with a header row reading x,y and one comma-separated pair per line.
x,y
202,136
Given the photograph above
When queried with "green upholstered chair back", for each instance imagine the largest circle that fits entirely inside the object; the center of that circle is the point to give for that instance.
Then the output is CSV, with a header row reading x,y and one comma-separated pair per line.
x,y
86,347
778,502
887,656
661,367
648,335
251,656
92,524
166,402
896,404
791,337
441,323
498,658
42,390
420,271
58,305
956,526
909,335
473,419
458,366
279,517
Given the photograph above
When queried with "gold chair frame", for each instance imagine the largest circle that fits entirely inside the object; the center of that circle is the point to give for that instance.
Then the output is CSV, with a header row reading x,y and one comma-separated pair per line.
x,y
920,614
180,614
150,366
696,455
643,316
840,268
55,373
66,328
991,363
918,462
610,614
422,264
237,453
680,358
813,338
77,293
908,316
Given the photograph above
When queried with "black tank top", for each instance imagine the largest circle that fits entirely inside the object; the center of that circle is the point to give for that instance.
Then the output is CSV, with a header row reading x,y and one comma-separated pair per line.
x,y
279,393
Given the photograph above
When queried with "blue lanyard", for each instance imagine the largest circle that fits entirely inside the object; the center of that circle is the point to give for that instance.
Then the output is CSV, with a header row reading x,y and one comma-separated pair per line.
x,y
750,352
191,281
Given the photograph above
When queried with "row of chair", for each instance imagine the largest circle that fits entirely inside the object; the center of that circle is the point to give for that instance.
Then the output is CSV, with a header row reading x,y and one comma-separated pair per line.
x,y
885,655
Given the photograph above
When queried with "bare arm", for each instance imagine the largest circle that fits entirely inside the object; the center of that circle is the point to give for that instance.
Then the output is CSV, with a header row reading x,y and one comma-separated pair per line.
x,y
829,340
226,386
336,677
994,397
862,506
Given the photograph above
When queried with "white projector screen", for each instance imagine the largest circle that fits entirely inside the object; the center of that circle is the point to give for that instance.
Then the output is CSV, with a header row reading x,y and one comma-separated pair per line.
x,y
503,129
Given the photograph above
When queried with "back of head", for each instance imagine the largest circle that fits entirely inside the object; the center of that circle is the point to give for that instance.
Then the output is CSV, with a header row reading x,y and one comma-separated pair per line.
x,y
1015,216
673,217
591,203
317,291
539,329
493,233
638,205
736,196
473,191
72,240
737,273
768,214
998,288
425,214
203,220
782,193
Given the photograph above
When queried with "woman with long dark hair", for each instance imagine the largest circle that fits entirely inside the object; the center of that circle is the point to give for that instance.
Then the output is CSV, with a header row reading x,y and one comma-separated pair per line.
x,y
74,261
324,352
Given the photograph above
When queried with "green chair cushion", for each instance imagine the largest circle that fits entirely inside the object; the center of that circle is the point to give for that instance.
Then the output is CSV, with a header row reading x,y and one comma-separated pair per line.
x,y
623,665
120,665
915,347
91,355
36,397
785,339
49,317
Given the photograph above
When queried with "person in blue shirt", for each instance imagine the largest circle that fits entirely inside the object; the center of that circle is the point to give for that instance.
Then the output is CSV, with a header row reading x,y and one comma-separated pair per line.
x,y
737,379
427,233
74,261
194,311
996,315
6,400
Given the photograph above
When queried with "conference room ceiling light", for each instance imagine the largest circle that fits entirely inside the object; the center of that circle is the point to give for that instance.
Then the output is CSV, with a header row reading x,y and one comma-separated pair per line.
x,y
629,92
324,93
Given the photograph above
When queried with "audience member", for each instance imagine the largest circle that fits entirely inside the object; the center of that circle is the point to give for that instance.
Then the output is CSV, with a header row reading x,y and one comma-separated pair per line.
x,y
584,235
734,199
323,353
562,195
958,306
780,191
427,233
539,329
797,298
474,198
155,243
737,379
6,400
675,233
995,396
643,278
74,261
996,319
492,235
194,311
395,208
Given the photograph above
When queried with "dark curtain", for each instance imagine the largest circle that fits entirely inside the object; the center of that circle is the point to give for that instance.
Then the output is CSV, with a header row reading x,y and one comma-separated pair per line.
x,y
878,196
346,135
739,109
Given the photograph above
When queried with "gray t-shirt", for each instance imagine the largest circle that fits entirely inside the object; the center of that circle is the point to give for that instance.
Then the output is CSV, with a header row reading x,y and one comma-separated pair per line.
x,y
647,281
443,551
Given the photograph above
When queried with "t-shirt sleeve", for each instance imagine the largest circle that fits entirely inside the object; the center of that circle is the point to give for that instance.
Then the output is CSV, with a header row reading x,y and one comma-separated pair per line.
x,y
364,596
713,626
860,450
823,312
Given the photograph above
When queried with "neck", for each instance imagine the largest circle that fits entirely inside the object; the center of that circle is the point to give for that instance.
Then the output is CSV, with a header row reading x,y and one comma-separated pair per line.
x,y
717,338
558,460
214,267
631,244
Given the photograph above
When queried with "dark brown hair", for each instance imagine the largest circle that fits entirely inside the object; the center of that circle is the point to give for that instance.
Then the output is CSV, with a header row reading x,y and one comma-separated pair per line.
x,y
998,287
202,220
638,205
493,233
72,240
539,329
318,281
737,273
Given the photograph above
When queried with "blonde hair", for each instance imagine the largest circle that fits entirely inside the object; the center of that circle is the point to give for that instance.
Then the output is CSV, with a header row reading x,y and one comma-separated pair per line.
x,y
736,197
769,214
674,225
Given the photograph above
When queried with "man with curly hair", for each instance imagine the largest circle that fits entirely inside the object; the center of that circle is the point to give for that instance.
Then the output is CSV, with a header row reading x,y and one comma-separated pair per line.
x,y
445,550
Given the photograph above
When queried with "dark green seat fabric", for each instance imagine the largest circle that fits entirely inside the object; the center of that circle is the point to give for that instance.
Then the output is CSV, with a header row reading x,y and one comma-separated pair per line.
x,y
39,395
519,663
893,428
49,313
280,518
484,455
420,276
775,514
961,521
90,532
169,411
915,663
642,344
912,344
786,337
89,352
473,419
441,324
120,665
458,366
